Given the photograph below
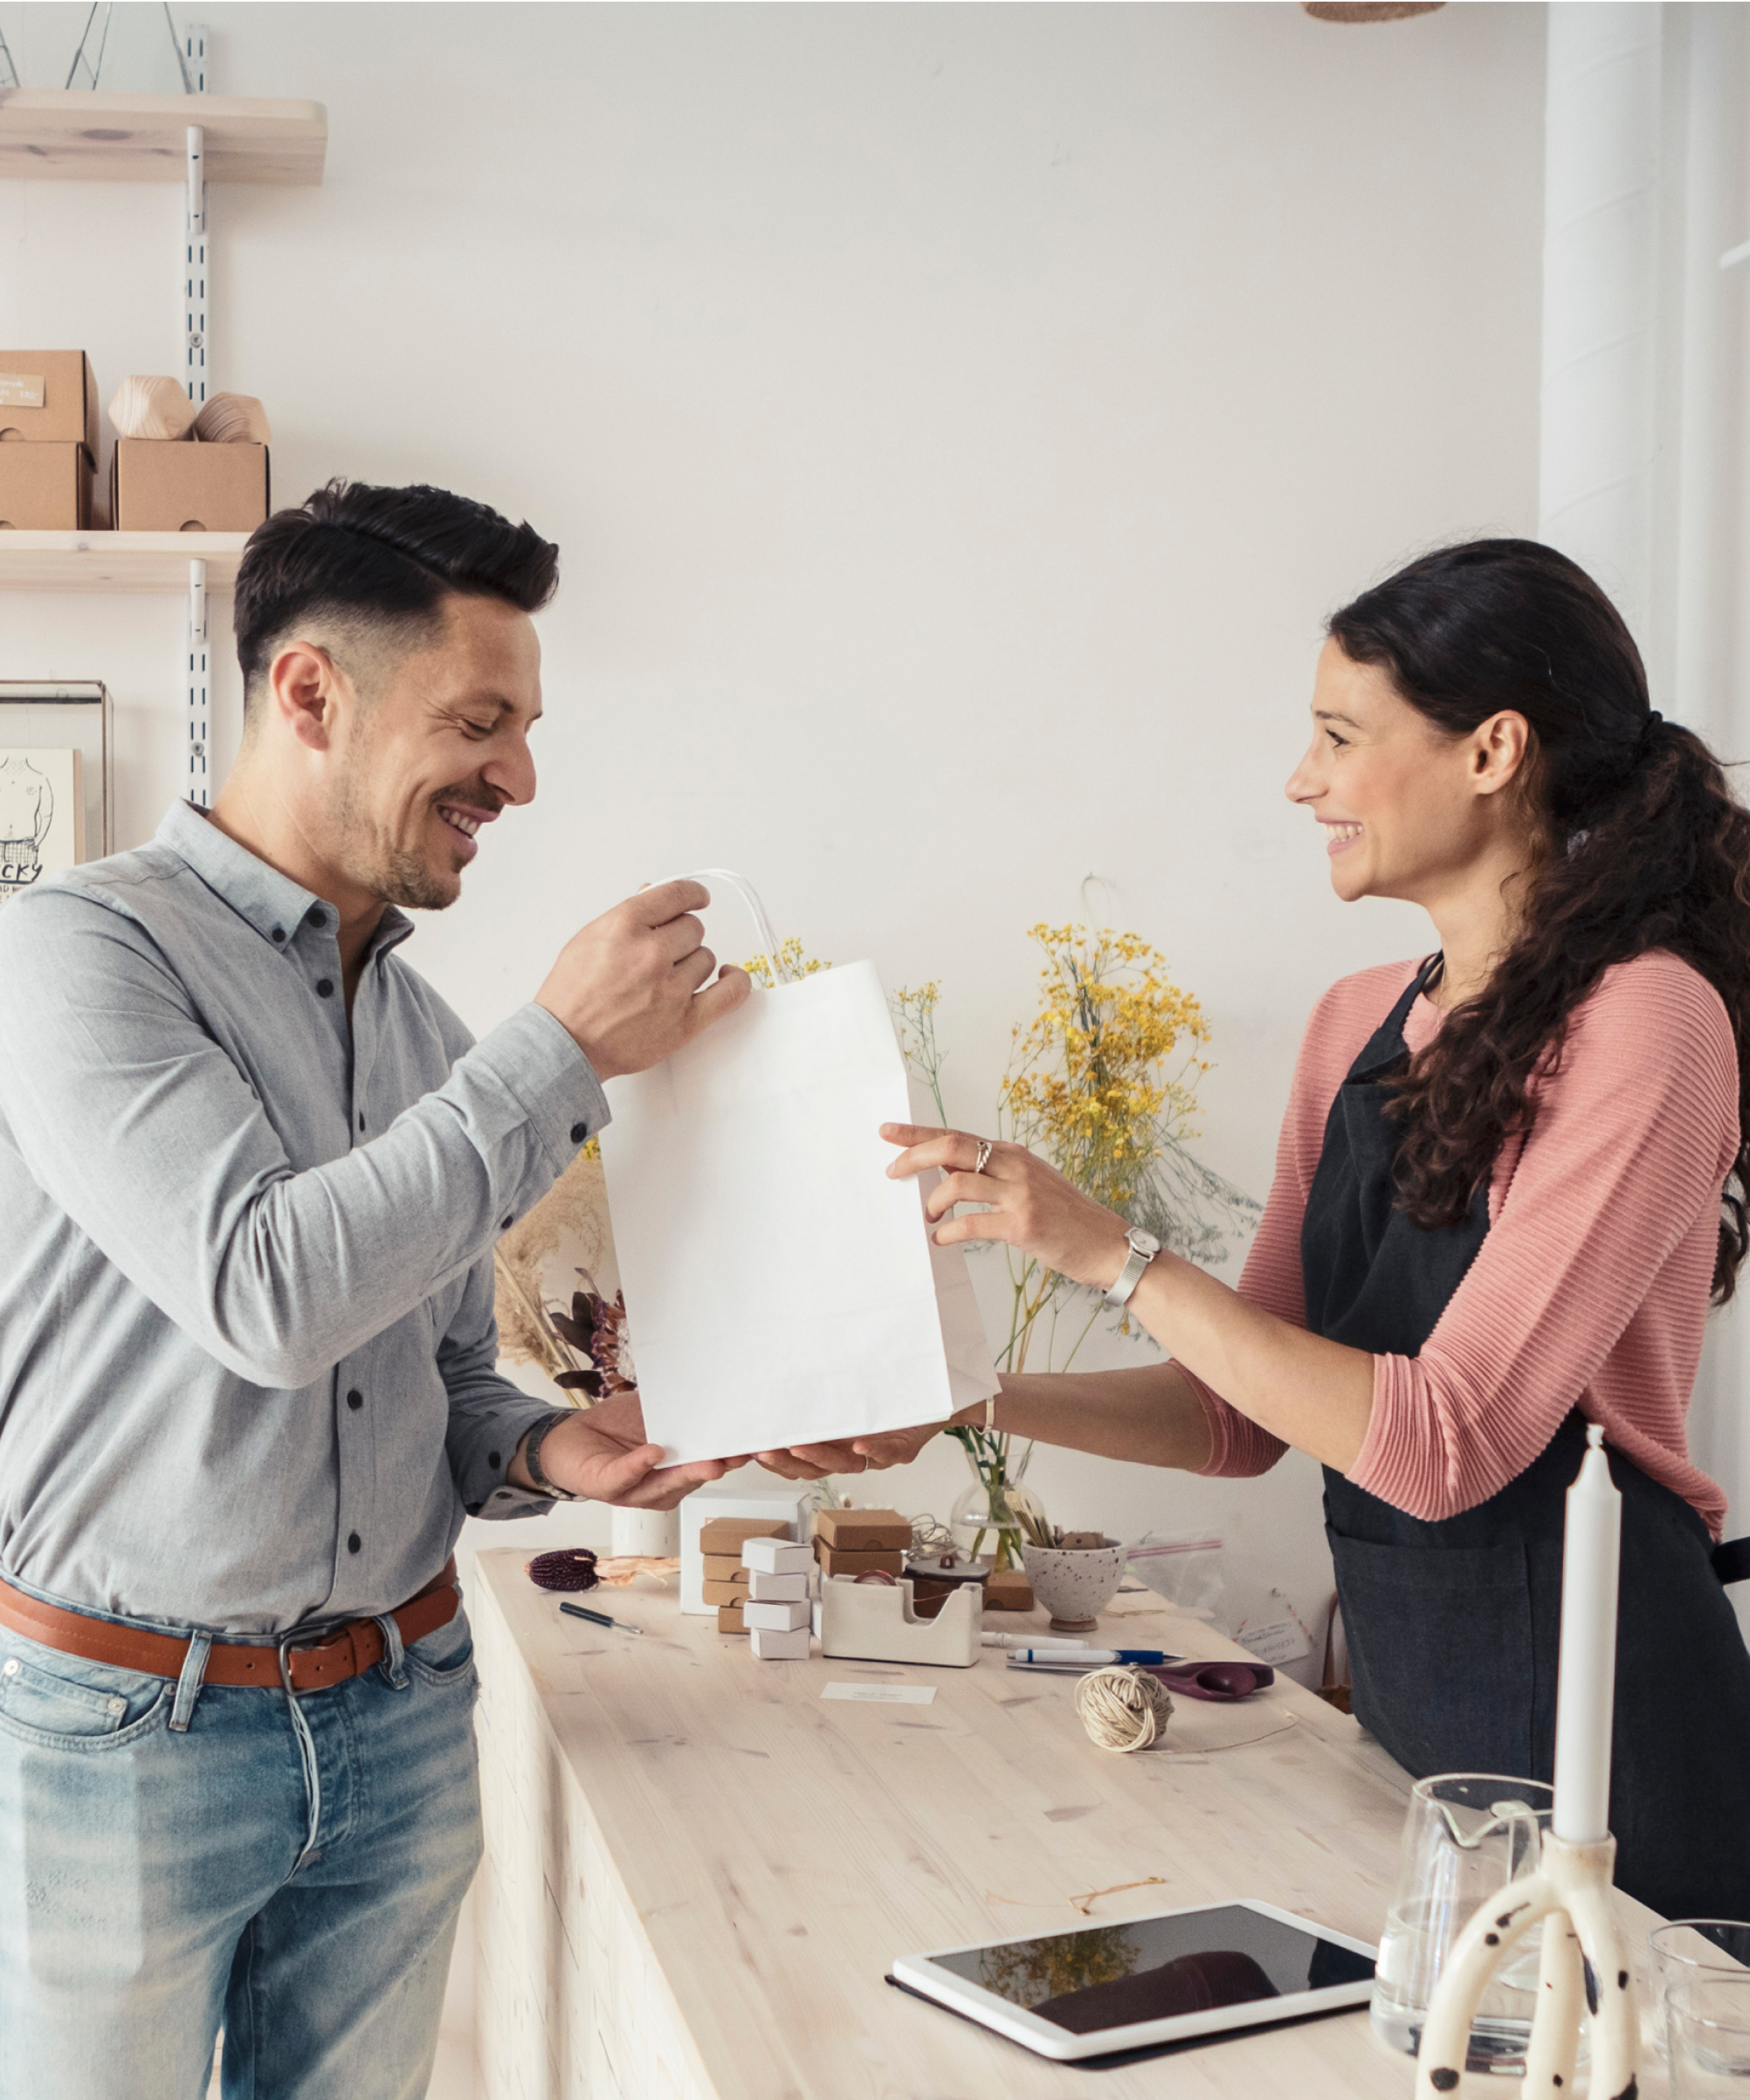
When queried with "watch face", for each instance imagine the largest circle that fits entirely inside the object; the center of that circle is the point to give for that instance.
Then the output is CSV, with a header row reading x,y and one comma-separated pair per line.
x,y
1144,1242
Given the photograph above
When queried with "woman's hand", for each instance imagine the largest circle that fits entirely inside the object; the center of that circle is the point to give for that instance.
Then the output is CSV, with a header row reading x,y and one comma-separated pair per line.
x,y
1032,1207
851,1454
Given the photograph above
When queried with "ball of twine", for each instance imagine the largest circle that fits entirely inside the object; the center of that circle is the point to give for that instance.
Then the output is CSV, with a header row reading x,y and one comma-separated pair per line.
x,y
570,1567
1123,1708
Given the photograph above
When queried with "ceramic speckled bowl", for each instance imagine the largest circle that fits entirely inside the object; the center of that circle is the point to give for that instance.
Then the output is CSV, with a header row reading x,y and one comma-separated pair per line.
x,y
1074,1583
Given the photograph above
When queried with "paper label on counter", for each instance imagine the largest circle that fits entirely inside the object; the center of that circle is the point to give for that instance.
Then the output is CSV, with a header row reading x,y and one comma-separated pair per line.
x,y
882,1695
20,390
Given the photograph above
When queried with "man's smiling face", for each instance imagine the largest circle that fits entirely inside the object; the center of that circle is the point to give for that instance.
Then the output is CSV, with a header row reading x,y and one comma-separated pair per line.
x,y
436,749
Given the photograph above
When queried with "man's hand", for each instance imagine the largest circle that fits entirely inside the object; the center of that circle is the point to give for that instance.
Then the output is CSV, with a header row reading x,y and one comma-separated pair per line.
x,y
851,1454
602,1453
635,984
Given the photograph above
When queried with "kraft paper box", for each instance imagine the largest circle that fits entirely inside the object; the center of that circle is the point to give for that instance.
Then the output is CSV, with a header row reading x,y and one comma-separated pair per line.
x,y
48,397
1008,1592
182,486
45,488
776,1505
724,1536
714,1595
724,1567
834,1562
864,1531
729,1619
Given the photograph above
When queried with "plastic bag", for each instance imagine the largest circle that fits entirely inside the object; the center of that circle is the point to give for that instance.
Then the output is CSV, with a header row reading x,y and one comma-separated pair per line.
x,y
1186,1570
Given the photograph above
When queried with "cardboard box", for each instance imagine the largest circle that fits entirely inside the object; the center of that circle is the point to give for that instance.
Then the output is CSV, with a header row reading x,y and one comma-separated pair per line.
x,y
772,1647
775,1589
834,1562
724,1536
777,1618
48,397
777,1556
729,1619
45,488
182,486
1008,1592
776,1511
721,1567
716,1594
864,1531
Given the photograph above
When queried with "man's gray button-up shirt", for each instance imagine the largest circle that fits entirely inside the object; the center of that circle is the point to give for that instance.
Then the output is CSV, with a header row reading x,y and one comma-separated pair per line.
x,y
247,1348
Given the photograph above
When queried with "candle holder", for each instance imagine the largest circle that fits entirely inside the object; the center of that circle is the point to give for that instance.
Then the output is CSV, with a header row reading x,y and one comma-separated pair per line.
x,y
1585,1969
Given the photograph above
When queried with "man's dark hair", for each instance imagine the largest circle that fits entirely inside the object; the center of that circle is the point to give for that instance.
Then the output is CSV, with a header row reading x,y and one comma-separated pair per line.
x,y
380,558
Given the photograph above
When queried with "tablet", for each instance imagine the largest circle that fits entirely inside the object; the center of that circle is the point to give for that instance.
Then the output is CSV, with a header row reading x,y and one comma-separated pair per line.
x,y
1169,1978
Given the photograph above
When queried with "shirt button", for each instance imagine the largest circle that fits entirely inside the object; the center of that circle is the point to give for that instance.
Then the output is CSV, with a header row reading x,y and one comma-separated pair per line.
x,y
355,1399
280,932
493,1460
354,1542
579,1131
316,916
360,1122
507,1224
324,987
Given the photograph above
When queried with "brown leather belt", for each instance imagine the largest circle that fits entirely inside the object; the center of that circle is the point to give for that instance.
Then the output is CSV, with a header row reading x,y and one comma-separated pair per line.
x,y
301,1665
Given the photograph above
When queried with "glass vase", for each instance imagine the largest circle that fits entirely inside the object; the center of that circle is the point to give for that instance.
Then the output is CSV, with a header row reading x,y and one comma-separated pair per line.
x,y
985,1518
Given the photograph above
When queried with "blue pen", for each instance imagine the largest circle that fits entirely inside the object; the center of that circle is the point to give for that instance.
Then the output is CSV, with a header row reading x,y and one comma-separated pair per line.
x,y
1089,1659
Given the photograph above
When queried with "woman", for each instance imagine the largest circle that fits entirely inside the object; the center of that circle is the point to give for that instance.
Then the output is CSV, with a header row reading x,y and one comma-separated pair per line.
x,y
1510,1180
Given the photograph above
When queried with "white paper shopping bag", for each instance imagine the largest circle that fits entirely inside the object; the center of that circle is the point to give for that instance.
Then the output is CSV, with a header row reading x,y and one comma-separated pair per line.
x,y
779,1288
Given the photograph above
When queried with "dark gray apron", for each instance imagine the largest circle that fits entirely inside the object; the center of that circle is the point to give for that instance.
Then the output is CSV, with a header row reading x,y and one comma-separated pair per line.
x,y
1453,1626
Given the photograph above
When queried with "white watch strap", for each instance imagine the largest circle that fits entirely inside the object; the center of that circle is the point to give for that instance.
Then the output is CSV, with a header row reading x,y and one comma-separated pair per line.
x,y
1128,1277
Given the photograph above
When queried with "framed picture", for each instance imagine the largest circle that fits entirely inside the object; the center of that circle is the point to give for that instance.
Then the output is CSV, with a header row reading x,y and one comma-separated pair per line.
x,y
54,779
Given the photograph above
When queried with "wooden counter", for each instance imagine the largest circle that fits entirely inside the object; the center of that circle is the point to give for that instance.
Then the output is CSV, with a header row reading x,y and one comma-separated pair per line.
x,y
698,1870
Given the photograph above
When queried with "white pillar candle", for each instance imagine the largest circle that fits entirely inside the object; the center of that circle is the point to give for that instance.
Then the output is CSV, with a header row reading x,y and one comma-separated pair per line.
x,y
1587,1681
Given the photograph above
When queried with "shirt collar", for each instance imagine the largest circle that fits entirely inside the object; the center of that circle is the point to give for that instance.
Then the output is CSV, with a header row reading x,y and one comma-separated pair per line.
x,y
271,902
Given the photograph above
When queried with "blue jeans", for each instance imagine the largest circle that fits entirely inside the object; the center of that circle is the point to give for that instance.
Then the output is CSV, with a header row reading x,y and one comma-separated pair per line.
x,y
172,1858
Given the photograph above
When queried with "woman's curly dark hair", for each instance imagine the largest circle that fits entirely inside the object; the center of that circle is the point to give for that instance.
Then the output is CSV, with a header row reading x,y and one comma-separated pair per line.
x,y
1639,843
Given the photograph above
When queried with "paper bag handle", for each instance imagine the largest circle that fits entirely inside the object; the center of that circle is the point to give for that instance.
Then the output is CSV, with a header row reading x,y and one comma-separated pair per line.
x,y
762,925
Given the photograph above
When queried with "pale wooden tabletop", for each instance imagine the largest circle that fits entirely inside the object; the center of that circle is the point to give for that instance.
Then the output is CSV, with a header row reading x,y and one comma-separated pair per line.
x,y
780,1850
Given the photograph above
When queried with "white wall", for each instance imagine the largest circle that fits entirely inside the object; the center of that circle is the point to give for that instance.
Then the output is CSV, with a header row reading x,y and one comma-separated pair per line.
x,y
956,420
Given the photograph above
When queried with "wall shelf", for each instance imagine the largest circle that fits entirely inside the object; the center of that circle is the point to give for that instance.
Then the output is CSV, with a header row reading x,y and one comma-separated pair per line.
x,y
105,138
138,563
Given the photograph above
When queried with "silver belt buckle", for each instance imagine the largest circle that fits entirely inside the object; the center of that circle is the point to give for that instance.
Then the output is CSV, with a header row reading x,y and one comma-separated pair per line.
x,y
289,1646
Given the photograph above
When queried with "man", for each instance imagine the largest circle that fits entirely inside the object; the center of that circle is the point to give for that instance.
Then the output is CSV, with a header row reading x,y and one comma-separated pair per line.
x,y
251,1169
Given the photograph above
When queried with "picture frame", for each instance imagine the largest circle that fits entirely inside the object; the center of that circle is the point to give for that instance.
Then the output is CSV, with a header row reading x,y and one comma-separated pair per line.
x,y
62,714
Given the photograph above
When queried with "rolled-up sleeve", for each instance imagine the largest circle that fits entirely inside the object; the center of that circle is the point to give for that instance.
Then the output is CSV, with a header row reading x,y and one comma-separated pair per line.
x,y
277,1273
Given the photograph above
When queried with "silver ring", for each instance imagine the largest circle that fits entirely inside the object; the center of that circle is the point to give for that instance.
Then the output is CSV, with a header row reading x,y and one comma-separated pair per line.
x,y
984,1151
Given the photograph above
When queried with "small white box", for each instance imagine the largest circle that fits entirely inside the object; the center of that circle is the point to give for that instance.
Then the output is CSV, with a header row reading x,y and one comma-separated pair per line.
x,y
772,1647
777,1556
781,1618
775,1589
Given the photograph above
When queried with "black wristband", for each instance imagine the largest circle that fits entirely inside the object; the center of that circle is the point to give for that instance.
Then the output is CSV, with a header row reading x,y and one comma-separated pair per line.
x,y
531,1456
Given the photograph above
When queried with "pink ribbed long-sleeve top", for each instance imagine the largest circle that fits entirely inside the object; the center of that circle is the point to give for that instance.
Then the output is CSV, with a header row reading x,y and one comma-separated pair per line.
x,y
1591,1287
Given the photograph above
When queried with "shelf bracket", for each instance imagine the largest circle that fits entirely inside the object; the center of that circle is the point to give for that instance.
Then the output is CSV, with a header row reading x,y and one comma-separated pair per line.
x,y
200,772
195,328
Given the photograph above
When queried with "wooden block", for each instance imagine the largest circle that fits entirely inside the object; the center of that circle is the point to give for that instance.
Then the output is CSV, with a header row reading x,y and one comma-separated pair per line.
x,y
1008,1592
864,1531
777,1618
724,1567
834,1561
775,1589
720,1594
727,1534
729,1619
771,1647
776,1556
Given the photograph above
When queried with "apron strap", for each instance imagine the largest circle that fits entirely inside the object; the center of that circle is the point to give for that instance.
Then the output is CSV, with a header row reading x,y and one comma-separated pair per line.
x,y
1732,1560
